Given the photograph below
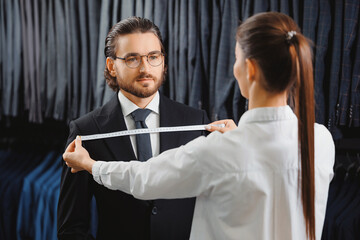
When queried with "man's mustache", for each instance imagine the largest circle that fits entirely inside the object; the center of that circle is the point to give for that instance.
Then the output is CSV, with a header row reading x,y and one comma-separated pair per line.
x,y
145,75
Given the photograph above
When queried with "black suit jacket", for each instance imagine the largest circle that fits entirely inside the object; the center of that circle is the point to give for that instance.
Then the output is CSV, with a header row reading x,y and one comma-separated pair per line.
x,y
121,216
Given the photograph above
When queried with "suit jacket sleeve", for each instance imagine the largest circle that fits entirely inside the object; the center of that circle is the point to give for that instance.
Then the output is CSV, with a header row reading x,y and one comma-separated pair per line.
x,y
73,214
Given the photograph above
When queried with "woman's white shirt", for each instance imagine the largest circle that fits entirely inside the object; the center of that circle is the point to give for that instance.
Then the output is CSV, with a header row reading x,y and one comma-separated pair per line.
x,y
245,180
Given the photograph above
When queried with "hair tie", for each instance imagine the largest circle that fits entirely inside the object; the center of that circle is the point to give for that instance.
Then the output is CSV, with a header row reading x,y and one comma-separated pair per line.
x,y
290,35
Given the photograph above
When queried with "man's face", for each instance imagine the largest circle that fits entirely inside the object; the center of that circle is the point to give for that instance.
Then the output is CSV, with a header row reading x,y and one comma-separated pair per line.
x,y
144,80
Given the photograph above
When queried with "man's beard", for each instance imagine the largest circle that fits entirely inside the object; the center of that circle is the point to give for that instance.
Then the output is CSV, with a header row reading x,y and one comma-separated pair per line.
x,y
141,92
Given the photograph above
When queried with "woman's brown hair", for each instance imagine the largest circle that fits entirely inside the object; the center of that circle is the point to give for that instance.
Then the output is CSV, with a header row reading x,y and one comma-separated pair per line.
x,y
284,55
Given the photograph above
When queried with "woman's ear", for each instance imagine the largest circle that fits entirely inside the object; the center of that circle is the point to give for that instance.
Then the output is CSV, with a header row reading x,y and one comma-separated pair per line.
x,y
251,68
110,66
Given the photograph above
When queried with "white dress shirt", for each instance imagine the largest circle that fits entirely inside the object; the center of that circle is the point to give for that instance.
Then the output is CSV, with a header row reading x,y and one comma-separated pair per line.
x,y
152,121
245,180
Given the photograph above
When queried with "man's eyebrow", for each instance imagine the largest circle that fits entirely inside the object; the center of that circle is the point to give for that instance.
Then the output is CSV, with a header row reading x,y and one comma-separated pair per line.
x,y
155,51
137,54
132,54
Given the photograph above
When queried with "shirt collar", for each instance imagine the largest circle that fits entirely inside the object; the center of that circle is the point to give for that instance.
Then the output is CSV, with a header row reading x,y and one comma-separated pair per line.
x,y
267,114
128,106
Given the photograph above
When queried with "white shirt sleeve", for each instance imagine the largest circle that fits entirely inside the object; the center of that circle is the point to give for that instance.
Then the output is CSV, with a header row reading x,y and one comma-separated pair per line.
x,y
175,173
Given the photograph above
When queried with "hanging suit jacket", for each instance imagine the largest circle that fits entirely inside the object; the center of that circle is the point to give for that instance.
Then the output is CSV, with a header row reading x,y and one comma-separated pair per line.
x,y
121,216
350,22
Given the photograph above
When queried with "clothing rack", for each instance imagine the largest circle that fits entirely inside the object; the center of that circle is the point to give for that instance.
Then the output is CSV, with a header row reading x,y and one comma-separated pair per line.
x,y
343,209
30,172
19,135
64,81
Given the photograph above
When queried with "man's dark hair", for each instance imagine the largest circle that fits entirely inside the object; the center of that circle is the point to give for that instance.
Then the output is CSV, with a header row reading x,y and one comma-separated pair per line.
x,y
127,26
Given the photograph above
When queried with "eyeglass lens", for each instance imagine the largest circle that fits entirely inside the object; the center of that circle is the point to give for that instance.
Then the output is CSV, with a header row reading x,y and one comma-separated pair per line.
x,y
153,58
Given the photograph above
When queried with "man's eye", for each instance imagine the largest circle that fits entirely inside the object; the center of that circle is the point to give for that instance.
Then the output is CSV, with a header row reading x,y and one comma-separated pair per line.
x,y
153,57
131,59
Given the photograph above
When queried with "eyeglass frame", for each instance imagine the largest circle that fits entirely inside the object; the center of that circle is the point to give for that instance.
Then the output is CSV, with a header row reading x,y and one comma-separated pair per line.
x,y
141,56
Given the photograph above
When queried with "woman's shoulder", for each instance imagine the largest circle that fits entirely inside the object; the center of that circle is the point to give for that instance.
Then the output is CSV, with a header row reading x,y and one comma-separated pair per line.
x,y
324,145
321,132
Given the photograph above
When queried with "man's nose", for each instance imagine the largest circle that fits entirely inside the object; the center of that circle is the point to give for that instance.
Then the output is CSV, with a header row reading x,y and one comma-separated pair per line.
x,y
144,64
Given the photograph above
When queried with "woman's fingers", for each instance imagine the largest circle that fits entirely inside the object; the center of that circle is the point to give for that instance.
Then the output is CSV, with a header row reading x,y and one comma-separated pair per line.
x,y
228,124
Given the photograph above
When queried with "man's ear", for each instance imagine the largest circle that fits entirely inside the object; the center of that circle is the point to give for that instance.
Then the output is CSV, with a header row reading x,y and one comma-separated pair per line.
x,y
110,66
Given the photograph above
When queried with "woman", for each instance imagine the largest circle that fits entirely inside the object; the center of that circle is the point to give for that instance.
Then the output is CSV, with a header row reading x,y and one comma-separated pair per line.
x,y
258,180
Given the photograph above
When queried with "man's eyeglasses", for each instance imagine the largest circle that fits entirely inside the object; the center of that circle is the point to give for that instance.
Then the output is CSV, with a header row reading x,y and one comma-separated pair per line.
x,y
133,60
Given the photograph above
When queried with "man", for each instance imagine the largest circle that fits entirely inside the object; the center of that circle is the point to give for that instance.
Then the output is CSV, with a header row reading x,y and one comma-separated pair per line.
x,y
135,68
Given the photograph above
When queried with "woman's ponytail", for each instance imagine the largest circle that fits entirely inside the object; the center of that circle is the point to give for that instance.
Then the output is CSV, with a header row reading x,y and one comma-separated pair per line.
x,y
304,107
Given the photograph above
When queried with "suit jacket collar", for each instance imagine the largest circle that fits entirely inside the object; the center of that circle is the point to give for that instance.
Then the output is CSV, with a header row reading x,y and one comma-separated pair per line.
x,y
111,119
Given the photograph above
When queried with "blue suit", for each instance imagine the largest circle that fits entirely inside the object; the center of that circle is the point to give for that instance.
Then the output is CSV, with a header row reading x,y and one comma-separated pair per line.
x,y
28,203
322,45
351,11
355,87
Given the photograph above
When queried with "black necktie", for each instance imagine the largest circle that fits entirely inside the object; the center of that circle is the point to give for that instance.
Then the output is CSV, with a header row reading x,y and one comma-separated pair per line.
x,y
143,143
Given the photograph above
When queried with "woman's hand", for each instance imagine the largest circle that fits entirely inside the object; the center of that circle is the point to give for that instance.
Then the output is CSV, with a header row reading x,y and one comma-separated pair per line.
x,y
77,157
229,125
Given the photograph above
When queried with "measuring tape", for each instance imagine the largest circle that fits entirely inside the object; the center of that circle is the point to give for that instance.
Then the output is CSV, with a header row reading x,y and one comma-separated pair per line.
x,y
147,130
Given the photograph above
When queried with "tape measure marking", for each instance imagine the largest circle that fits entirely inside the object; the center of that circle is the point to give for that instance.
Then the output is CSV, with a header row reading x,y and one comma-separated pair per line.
x,y
146,130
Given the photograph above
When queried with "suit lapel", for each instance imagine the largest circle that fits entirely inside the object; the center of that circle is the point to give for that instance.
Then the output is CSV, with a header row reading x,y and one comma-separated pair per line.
x,y
168,118
111,119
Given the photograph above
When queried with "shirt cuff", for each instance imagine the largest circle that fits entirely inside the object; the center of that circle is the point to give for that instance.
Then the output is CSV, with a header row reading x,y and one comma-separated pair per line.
x,y
96,172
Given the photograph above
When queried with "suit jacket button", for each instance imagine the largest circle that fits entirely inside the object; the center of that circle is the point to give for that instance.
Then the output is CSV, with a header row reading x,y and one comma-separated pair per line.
x,y
154,210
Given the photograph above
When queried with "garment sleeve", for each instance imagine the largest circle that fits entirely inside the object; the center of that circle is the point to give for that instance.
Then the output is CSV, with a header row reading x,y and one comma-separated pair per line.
x,y
176,173
73,213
